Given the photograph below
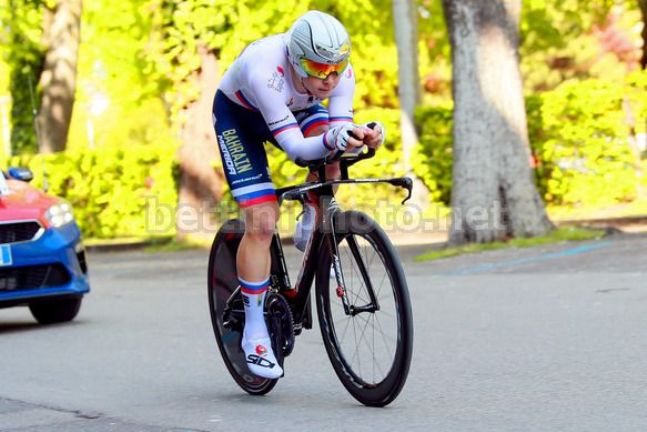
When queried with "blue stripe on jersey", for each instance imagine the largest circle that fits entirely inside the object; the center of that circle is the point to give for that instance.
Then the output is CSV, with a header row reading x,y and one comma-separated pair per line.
x,y
314,119
257,194
341,118
277,131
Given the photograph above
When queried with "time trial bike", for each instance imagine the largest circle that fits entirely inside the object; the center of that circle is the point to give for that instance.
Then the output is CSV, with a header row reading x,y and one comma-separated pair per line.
x,y
364,311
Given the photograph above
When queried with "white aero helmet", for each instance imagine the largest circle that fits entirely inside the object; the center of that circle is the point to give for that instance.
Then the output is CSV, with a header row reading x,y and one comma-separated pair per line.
x,y
318,44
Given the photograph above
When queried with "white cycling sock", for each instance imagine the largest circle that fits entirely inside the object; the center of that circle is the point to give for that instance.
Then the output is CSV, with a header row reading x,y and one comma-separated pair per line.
x,y
256,342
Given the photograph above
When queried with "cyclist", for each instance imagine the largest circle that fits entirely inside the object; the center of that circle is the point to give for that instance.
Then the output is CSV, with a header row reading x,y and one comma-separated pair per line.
x,y
273,92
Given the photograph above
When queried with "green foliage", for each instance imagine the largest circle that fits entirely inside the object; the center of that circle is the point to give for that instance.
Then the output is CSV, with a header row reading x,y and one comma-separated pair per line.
x,y
579,137
182,29
432,160
388,162
114,192
21,20
558,41
578,132
117,102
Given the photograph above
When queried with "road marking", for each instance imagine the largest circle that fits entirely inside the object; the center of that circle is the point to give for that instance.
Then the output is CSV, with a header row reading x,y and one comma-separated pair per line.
x,y
528,260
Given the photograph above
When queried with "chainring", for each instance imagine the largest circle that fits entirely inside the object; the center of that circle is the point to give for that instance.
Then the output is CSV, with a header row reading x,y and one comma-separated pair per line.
x,y
280,324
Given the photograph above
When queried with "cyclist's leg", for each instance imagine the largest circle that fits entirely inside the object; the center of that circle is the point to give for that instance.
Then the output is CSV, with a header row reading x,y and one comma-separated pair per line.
x,y
253,265
240,139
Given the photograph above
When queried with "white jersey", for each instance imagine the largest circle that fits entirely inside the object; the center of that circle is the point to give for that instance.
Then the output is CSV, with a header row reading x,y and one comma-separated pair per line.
x,y
260,80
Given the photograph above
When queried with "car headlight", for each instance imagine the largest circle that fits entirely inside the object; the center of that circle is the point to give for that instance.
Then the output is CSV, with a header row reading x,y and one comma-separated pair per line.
x,y
59,214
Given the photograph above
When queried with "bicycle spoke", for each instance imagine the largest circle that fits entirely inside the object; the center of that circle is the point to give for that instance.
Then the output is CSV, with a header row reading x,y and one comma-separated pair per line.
x,y
345,328
359,360
377,294
384,336
361,338
376,364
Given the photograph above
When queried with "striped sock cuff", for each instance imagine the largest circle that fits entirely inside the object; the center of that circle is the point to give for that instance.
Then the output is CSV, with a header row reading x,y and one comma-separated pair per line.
x,y
253,288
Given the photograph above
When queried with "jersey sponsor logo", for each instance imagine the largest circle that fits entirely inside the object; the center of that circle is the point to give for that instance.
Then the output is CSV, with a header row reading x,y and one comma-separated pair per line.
x,y
247,179
280,70
349,73
276,82
274,123
233,151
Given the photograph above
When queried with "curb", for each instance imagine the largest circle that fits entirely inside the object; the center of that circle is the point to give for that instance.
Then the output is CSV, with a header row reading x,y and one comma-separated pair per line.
x,y
611,225
618,222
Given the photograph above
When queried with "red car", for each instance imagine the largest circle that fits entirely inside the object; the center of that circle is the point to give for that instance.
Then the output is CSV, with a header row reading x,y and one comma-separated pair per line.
x,y
42,258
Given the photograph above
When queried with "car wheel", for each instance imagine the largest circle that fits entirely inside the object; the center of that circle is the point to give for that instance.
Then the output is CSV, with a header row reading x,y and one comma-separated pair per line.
x,y
56,310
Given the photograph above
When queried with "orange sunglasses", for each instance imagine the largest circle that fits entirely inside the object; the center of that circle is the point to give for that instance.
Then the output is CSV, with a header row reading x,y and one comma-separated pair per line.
x,y
322,70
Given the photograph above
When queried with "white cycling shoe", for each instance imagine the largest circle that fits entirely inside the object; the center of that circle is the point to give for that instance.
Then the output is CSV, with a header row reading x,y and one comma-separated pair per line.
x,y
260,358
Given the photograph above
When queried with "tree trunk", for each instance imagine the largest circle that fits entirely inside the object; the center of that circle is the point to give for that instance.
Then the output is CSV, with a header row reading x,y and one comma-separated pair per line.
x,y
643,9
200,183
406,36
58,80
493,195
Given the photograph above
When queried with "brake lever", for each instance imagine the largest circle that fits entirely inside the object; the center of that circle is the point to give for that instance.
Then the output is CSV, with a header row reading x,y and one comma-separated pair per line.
x,y
405,183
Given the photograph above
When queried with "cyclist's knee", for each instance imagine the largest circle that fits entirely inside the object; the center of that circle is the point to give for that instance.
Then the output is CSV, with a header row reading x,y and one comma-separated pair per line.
x,y
260,221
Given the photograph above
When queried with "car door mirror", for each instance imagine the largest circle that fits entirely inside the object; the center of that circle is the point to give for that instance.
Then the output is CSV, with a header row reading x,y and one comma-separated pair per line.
x,y
19,173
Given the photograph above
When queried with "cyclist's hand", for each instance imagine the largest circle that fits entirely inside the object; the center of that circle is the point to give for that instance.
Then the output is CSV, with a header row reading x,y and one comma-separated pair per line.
x,y
345,137
374,134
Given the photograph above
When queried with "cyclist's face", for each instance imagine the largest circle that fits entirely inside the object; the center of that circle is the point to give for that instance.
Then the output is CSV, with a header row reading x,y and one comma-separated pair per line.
x,y
322,88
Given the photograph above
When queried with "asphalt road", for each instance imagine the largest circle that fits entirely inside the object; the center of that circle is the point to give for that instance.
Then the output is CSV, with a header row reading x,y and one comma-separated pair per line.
x,y
544,339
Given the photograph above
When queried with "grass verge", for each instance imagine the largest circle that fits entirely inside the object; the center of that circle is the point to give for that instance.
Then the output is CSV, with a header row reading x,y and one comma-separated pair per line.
x,y
555,236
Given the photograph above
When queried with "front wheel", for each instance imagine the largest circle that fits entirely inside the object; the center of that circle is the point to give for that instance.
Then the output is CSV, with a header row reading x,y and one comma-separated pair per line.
x,y
364,312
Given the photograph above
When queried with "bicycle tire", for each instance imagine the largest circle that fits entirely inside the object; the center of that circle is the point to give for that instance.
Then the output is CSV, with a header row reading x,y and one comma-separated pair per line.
x,y
375,392
222,283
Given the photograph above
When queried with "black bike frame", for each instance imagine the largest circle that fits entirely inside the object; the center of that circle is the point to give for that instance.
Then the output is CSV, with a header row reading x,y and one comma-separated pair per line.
x,y
326,208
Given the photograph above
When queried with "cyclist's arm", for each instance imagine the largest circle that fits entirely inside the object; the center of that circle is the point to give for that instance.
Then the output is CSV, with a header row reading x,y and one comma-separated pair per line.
x,y
340,106
285,128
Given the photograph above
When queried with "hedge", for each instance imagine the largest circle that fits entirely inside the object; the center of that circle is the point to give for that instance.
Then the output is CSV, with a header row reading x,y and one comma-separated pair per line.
x,y
109,188
579,136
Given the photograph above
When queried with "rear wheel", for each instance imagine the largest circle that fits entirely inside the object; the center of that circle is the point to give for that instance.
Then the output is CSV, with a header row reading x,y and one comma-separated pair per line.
x,y
226,307
55,310
365,320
